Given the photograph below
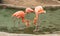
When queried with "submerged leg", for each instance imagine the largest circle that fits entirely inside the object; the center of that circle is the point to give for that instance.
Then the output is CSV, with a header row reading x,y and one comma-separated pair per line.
x,y
36,28
36,23
23,20
27,23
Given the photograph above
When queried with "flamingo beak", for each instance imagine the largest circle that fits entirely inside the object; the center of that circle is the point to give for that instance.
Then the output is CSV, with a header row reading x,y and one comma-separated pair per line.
x,y
45,12
42,11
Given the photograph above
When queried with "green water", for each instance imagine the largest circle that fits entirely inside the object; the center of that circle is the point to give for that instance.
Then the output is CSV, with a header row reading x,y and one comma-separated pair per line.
x,y
49,22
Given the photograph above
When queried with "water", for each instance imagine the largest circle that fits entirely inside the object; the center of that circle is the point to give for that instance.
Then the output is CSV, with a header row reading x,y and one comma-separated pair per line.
x,y
50,21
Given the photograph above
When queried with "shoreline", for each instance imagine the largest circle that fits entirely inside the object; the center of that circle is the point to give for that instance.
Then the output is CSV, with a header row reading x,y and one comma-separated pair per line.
x,y
18,7
11,34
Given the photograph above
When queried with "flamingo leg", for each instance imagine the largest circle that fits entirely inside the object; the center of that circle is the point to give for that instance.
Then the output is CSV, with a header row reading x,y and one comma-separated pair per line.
x,y
36,24
27,23
36,28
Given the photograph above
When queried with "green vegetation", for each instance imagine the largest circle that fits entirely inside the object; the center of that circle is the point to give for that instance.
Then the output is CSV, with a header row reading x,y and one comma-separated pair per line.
x,y
49,22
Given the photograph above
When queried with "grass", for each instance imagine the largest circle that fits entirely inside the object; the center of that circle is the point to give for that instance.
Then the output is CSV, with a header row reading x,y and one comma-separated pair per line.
x,y
48,22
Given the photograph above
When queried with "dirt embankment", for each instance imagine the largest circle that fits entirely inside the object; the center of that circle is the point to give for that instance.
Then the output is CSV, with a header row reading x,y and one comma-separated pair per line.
x,y
31,3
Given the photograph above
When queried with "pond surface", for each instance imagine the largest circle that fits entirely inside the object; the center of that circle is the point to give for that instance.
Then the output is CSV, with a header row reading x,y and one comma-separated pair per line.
x,y
49,22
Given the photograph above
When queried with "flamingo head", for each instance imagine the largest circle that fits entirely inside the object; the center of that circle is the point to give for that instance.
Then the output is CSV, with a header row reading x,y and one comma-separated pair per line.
x,y
39,9
29,10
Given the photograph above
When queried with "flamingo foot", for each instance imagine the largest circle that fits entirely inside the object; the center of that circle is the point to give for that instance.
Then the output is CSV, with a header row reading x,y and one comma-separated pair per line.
x,y
36,29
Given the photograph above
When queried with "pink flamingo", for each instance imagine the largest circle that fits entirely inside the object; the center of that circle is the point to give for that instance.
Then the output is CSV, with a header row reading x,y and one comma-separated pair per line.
x,y
38,10
28,10
19,14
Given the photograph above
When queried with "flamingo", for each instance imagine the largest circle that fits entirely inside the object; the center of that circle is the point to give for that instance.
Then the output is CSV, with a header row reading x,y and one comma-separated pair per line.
x,y
18,15
27,11
38,10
